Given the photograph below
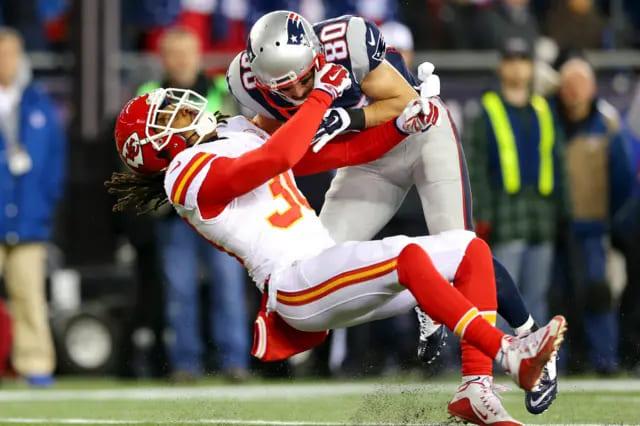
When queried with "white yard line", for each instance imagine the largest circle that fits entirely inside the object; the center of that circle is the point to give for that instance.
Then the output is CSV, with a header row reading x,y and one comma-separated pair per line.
x,y
82,421
278,391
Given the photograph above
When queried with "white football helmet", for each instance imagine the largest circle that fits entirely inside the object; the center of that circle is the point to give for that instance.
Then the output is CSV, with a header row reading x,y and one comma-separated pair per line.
x,y
282,48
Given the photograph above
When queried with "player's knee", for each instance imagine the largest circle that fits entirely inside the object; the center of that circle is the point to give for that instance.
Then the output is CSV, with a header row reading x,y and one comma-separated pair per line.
x,y
479,249
411,257
476,267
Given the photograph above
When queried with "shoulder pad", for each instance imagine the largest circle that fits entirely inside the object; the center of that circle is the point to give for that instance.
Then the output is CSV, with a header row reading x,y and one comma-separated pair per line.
x,y
366,46
241,83
184,176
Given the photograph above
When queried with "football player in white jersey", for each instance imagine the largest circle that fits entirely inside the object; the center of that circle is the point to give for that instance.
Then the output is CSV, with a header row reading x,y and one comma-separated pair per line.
x,y
237,190
274,75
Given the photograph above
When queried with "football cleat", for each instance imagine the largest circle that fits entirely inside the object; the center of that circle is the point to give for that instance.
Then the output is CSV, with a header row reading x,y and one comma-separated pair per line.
x,y
432,338
542,396
525,357
476,402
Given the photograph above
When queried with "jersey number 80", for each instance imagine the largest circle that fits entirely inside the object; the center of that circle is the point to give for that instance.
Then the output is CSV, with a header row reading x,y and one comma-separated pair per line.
x,y
332,37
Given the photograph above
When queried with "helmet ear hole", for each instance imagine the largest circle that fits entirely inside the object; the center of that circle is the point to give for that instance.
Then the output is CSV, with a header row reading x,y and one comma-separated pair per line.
x,y
277,43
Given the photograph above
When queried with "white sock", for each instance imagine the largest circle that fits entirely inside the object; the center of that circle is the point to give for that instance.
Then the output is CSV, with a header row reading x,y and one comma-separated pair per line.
x,y
526,327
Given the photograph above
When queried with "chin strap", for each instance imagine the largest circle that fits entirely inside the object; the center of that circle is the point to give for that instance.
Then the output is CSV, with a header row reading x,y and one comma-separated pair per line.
x,y
206,124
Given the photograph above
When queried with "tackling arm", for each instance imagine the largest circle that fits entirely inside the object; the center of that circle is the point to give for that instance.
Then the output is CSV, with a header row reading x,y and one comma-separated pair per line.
x,y
357,148
351,149
229,178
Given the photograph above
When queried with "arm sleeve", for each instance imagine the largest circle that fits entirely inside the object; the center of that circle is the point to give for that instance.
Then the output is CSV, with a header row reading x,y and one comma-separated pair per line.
x,y
351,149
229,178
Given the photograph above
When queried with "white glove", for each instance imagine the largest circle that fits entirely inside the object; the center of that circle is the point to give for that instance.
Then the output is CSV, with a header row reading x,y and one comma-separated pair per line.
x,y
419,115
430,85
334,122
333,79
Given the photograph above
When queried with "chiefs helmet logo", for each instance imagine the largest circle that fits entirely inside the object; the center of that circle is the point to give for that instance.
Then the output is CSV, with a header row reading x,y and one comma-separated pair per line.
x,y
132,151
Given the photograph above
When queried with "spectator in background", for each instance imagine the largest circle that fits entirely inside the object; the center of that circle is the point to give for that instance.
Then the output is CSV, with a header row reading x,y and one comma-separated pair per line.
x,y
627,225
504,20
576,24
600,180
183,252
516,172
25,16
32,166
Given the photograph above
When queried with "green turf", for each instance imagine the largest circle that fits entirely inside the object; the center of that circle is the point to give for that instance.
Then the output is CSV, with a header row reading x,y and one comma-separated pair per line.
x,y
384,403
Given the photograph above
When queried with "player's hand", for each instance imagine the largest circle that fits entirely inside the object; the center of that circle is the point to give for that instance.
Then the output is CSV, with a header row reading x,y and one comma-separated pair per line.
x,y
335,121
419,115
430,85
333,79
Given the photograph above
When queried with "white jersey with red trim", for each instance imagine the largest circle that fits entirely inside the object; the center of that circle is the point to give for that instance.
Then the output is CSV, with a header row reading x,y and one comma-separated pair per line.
x,y
267,228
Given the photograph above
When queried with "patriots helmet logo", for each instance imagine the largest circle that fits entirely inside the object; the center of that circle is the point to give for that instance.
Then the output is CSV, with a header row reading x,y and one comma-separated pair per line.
x,y
132,151
295,30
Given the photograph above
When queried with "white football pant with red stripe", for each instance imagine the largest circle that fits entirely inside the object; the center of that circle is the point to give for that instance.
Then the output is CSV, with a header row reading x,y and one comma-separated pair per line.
x,y
356,282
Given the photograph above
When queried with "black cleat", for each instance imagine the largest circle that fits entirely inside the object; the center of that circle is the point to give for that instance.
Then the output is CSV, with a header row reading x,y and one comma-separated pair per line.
x,y
540,399
432,338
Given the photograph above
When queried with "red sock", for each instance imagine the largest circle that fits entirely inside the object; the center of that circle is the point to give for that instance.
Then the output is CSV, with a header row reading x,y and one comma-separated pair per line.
x,y
444,303
475,279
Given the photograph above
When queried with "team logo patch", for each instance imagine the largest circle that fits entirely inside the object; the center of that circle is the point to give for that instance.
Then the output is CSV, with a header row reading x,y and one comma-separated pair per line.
x,y
295,30
132,151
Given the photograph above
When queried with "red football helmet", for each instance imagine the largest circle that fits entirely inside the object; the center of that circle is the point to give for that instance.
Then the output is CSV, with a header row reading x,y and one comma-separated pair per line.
x,y
147,147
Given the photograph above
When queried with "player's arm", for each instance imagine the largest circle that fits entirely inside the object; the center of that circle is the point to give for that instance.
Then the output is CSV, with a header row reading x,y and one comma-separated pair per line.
x,y
389,91
229,178
362,147
383,84
351,149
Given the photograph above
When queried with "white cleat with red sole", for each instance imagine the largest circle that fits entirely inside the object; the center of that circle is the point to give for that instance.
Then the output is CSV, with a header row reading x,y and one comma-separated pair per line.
x,y
523,358
476,402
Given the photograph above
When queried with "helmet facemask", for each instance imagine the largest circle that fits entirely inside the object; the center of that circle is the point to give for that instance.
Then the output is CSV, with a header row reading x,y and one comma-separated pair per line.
x,y
167,103
278,87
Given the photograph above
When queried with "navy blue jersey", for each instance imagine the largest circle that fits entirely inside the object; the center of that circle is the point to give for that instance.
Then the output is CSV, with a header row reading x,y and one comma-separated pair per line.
x,y
348,40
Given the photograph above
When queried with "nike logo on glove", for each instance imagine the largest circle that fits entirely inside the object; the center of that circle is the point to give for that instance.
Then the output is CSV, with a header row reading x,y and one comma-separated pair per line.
x,y
334,76
334,121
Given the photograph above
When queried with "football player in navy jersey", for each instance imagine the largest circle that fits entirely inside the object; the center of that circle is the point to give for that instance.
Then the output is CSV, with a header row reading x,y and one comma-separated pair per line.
x,y
274,75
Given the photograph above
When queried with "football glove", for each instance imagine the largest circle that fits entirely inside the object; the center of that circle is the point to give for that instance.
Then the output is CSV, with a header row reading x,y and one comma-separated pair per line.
x,y
419,115
335,121
333,79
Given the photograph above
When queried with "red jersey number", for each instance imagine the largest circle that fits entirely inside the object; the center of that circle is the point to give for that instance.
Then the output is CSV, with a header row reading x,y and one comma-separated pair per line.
x,y
282,186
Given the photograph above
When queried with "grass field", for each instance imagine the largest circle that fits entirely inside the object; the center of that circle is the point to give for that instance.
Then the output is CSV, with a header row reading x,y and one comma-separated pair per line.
x,y
104,402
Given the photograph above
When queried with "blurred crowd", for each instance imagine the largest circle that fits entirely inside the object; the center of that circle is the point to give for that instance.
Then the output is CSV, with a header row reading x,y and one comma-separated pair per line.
x,y
565,223
436,24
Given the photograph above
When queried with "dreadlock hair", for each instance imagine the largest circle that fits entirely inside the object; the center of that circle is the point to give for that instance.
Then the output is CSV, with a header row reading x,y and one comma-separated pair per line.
x,y
137,192
143,193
